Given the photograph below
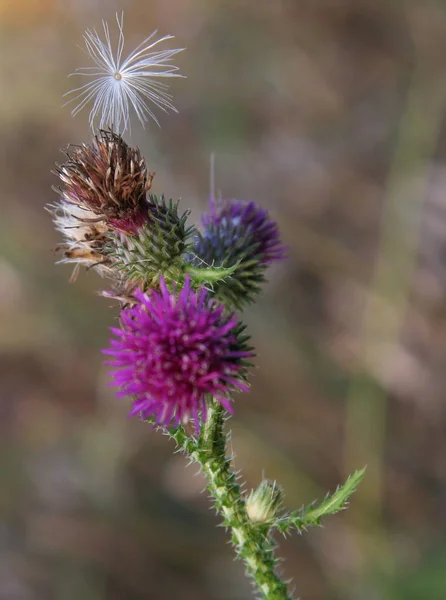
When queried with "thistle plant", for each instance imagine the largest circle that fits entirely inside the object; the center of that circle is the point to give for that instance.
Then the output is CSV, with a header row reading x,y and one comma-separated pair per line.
x,y
180,354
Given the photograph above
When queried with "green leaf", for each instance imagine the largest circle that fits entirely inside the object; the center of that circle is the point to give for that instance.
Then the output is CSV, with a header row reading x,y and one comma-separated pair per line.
x,y
209,274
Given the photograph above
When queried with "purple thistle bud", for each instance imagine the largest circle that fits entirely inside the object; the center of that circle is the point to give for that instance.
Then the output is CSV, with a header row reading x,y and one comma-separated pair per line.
x,y
246,219
177,351
241,234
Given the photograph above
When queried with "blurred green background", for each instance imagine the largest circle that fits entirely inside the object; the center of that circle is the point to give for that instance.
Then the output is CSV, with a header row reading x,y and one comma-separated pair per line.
x,y
331,114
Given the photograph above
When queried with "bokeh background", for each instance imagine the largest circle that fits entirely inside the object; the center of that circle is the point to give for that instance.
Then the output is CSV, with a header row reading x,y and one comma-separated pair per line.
x,y
331,114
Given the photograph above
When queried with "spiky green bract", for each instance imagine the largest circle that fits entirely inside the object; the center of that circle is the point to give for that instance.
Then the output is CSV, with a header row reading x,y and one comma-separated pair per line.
x,y
158,247
253,544
312,514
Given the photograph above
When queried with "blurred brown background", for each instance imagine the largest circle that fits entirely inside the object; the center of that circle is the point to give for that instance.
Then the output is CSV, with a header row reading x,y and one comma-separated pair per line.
x,y
331,114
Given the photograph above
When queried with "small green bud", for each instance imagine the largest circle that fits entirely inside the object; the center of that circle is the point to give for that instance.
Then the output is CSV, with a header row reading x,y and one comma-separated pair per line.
x,y
263,503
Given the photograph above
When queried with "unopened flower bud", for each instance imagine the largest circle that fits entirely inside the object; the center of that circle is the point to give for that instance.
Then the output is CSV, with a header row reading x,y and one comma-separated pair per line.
x,y
263,503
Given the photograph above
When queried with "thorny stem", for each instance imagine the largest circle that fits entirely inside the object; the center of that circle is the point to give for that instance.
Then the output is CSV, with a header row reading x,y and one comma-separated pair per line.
x,y
252,543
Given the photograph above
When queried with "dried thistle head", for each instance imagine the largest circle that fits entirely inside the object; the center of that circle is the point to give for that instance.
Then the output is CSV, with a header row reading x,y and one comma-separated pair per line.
x,y
103,190
108,178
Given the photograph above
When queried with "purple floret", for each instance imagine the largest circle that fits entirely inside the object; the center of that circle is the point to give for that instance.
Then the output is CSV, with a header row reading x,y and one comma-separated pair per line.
x,y
175,352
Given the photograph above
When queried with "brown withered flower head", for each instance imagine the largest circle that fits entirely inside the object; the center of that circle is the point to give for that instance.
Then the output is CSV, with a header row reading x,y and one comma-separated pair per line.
x,y
103,189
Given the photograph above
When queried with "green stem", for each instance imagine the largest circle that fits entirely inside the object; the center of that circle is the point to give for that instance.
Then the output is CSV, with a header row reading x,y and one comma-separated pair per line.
x,y
253,544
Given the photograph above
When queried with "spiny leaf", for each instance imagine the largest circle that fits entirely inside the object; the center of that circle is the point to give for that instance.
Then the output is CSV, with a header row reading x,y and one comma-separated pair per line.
x,y
210,275
331,504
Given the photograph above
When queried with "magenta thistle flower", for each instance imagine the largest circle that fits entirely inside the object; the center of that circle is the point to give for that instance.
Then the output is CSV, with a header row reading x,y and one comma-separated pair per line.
x,y
177,351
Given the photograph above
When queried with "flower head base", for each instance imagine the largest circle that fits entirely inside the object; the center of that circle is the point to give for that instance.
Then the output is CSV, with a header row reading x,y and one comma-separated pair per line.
x,y
239,233
119,84
177,351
